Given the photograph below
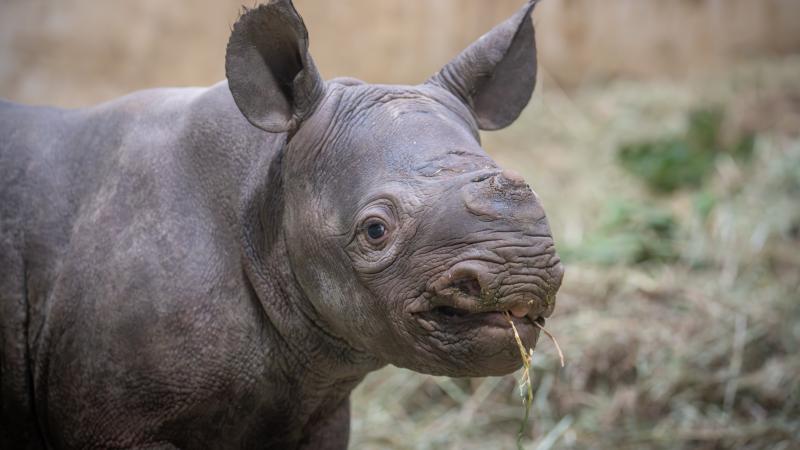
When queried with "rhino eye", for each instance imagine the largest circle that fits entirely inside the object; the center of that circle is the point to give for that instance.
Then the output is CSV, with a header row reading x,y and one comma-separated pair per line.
x,y
376,231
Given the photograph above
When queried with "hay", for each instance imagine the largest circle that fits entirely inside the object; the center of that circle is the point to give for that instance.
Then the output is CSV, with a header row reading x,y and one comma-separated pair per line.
x,y
525,384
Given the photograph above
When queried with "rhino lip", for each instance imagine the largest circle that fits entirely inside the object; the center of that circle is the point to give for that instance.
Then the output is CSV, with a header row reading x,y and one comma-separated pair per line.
x,y
494,317
463,308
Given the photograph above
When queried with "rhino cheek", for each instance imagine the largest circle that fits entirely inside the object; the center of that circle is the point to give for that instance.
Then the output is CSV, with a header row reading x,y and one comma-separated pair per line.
x,y
335,298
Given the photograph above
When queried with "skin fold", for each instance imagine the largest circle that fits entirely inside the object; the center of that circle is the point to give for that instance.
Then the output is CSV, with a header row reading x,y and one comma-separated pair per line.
x,y
220,267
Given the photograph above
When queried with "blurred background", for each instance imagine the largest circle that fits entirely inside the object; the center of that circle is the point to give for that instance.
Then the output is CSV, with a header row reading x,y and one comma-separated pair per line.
x,y
664,140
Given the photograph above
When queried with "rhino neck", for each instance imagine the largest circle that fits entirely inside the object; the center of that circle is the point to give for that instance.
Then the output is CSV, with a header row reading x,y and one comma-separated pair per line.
x,y
239,167
321,365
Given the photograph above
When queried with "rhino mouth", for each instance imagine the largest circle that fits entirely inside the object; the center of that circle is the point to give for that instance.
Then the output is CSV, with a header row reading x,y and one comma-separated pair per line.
x,y
464,317
461,295
497,318
449,311
463,308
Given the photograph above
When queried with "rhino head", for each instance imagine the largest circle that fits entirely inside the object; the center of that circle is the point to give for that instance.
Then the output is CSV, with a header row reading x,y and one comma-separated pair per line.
x,y
404,237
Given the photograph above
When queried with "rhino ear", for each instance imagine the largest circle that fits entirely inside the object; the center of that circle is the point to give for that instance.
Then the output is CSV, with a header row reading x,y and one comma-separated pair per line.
x,y
495,76
270,72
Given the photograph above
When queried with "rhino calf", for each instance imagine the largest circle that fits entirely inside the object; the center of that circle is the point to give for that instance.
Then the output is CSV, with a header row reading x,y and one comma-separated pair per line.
x,y
220,267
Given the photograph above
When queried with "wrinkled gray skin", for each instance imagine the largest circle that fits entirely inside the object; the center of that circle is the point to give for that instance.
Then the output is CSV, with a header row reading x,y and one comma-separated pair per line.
x,y
205,268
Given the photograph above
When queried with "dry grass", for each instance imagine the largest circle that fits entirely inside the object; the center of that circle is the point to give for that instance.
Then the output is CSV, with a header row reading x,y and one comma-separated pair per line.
x,y
525,381
698,351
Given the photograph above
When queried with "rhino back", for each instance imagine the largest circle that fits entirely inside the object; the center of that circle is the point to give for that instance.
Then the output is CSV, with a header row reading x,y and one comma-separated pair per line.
x,y
123,220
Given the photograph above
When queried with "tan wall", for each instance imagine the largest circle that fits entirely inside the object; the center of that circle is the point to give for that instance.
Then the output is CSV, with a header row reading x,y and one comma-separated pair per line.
x,y
73,52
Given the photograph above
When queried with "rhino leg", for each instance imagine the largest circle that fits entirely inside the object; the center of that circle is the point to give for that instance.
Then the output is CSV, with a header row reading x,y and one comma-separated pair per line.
x,y
333,432
17,419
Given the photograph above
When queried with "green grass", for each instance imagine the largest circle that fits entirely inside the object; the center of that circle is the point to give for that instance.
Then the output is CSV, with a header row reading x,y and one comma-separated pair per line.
x,y
680,311
629,233
668,163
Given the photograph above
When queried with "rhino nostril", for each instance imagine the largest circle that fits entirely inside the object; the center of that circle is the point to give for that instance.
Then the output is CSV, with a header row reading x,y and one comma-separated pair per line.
x,y
468,286
467,279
